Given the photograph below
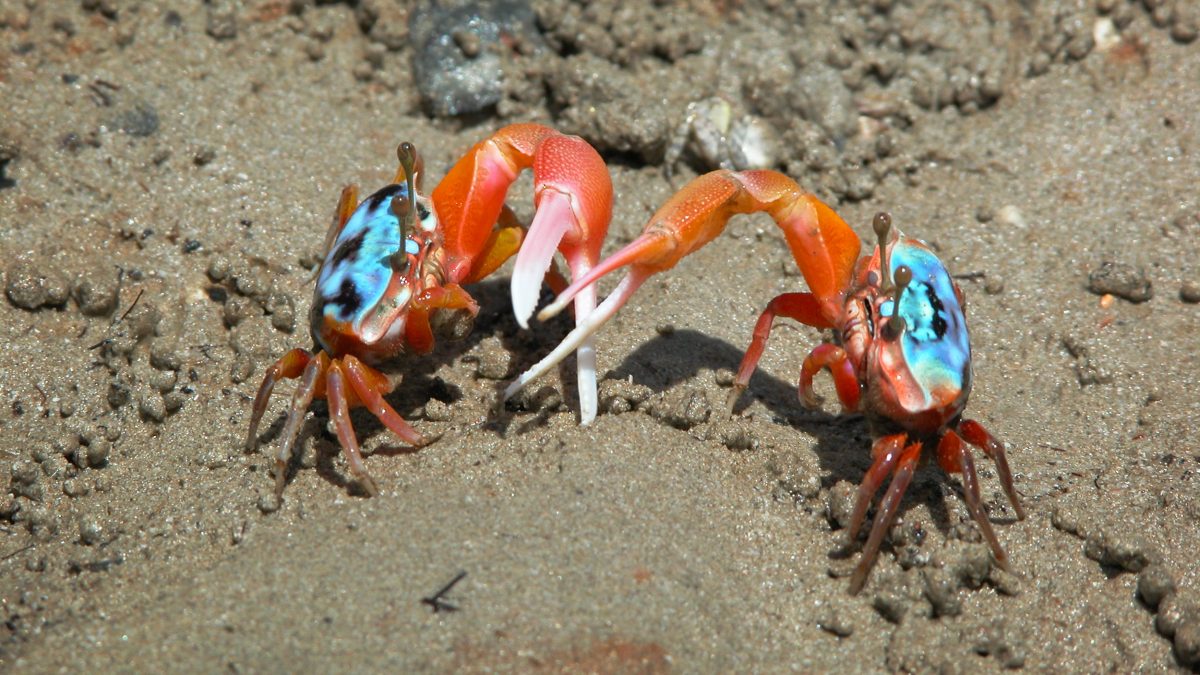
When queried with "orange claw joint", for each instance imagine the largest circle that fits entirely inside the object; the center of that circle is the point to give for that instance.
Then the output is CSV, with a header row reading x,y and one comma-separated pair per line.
x,y
825,247
573,198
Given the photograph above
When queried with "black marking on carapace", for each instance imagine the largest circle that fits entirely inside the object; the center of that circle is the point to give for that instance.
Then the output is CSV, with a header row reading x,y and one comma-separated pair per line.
x,y
347,298
348,250
937,324
376,200
939,311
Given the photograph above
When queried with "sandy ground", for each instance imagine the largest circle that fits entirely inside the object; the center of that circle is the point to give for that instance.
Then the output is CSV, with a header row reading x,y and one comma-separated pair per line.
x,y
166,179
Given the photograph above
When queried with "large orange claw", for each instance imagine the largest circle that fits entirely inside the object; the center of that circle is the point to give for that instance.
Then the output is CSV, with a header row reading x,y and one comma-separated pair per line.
x,y
825,247
573,195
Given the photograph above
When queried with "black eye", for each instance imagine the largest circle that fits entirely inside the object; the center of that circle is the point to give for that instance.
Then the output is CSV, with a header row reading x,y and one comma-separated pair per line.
x,y
422,212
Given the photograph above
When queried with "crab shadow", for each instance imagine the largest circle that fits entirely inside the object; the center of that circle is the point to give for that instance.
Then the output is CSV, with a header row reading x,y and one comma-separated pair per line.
x,y
843,442
417,383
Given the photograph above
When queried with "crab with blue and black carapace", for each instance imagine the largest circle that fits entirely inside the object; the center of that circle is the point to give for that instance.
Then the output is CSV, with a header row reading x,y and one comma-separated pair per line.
x,y
395,266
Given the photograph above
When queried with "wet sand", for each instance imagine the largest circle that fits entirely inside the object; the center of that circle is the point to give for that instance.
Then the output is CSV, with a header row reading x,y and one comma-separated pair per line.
x,y
166,179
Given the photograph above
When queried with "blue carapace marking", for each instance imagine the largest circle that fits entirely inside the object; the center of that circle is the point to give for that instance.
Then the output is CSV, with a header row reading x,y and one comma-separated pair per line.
x,y
356,273
936,346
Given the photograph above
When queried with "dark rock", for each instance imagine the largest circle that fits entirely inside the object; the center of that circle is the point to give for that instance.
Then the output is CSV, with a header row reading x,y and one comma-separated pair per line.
x,y
451,80
1121,280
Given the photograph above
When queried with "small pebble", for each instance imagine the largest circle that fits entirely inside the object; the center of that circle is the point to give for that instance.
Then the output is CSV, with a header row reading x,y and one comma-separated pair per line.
x,y
282,311
1174,611
437,411
841,503
90,532
151,407
268,503
1187,643
1125,550
31,286
75,487
1011,216
833,622
97,453
682,408
891,605
96,296
221,23
242,368
1122,280
993,284
941,588
495,363
1155,583
1190,293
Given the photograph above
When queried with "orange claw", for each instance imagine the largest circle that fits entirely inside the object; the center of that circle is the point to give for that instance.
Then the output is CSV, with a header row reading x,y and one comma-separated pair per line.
x,y
573,195
825,247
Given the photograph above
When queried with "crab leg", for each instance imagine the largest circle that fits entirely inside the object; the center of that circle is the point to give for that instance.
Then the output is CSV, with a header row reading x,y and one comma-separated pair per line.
x,y
339,415
802,307
369,385
573,197
301,398
825,248
290,365
886,452
952,453
840,367
974,433
888,509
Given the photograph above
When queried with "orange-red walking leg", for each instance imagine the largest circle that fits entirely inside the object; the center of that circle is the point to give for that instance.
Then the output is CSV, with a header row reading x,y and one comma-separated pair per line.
x,y
845,380
802,307
974,433
339,416
888,509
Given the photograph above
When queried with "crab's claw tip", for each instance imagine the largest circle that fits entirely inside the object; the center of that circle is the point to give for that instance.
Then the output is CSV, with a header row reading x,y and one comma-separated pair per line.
x,y
554,219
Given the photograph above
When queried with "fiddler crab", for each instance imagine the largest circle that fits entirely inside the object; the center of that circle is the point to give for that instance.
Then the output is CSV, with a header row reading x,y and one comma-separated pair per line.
x,y
901,354
395,265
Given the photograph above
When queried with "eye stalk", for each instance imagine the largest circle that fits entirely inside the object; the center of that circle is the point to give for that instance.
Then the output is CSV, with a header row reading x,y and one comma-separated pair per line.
x,y
406,209
896,324
882,224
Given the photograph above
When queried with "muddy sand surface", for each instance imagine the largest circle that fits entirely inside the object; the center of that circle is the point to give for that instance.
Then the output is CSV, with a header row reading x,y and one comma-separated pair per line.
x,y
167,175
